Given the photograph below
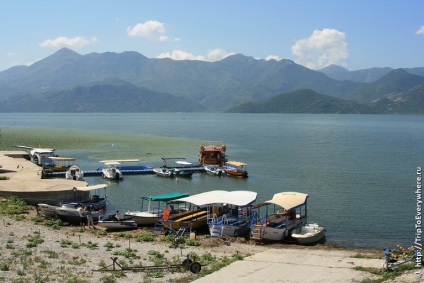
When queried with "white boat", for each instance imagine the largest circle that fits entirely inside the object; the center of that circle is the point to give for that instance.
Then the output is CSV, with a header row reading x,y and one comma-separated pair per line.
x,y
112,170
74,173
154,210
96,202
215,170
308,234
72,213
111,223
182,170
275,219
39,156
229,213
164,172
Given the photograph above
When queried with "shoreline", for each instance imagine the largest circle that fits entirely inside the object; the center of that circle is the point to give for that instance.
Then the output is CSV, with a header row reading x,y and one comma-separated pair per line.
x,y
73,253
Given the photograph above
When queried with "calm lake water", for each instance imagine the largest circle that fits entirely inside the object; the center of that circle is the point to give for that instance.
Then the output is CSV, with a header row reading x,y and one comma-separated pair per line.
x,y
359,170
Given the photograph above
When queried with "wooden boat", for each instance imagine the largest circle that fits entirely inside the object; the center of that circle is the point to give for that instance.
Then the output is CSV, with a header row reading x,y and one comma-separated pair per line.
x,y
212,153
155,206
275,219
112,170
236,169
111,223
308,234
229,214
74,173
59,164
190,213
216,170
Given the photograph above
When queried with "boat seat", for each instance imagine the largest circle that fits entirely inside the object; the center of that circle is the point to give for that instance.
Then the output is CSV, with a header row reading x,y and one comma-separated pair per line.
x,y
191,216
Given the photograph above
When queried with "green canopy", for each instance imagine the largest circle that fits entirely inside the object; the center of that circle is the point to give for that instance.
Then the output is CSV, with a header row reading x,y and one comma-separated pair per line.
x,y
166,197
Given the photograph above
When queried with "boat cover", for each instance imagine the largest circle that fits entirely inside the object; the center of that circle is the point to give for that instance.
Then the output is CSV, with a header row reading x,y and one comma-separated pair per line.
x,y
235,163
120,160
166,197
288,200
90,188
239,198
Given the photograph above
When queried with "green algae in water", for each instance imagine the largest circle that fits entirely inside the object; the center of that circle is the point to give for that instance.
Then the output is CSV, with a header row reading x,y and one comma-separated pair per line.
x,y
98,144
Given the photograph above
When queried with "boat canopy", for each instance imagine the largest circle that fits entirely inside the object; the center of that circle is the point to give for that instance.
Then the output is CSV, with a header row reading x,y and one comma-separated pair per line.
x,y
288,200
236,163
57,158
120,160
36,149
180,162
90,188
166,197
239,198
113,163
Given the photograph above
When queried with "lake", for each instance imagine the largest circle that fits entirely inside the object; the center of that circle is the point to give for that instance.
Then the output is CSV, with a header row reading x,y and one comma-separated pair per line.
x,y
359,170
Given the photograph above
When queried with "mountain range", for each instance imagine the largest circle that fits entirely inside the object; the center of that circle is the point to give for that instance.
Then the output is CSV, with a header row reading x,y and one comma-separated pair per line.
x,y
130,82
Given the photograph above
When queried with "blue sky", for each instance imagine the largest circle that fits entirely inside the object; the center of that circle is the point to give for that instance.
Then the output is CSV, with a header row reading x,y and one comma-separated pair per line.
x,y
355,34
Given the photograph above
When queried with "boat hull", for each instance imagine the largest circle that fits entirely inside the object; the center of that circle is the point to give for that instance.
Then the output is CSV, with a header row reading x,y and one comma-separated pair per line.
x,y
217,230
308,234
215,170
118,225
144,218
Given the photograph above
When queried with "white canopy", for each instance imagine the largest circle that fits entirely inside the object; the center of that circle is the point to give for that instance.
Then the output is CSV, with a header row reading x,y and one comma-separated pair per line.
x,y
90,188
120,160
288,200
239,198
183,162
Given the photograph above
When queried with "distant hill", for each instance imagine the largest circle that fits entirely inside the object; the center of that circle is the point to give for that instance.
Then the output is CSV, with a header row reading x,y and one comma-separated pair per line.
x,y
113,96
133,82
364,76
303,101
394,82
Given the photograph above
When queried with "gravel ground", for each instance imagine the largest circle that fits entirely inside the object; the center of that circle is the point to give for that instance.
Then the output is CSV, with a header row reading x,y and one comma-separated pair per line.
x,y
71,254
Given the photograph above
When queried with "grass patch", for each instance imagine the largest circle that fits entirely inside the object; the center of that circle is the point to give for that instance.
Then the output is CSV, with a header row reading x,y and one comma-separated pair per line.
x,y
385,275
13,205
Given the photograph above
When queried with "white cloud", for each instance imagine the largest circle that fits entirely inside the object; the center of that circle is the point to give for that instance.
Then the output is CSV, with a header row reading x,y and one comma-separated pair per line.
x,y
152,30
77,41
218,54
273,57
180,55
420,31
322,48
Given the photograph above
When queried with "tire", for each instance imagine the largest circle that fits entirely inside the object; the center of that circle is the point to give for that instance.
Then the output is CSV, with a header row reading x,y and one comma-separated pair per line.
x,y
195,267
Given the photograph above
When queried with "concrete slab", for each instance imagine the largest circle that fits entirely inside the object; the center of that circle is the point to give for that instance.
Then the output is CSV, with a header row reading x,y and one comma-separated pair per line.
x,y
295,265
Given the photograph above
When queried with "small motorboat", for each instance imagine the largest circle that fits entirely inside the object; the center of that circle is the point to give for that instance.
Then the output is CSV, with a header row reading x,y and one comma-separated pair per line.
x,y
111,222
308,234
215,170
164,172
111,172
74,173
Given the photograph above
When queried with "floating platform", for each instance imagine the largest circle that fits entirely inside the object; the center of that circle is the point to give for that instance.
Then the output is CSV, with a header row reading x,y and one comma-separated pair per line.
x,y
127,170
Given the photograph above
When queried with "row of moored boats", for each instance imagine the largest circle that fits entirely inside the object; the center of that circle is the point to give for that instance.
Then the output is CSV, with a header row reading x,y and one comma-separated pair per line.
x,y
225,213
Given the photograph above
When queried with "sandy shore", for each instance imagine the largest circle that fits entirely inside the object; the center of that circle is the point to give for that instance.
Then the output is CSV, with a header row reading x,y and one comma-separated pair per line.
x,y
72,255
